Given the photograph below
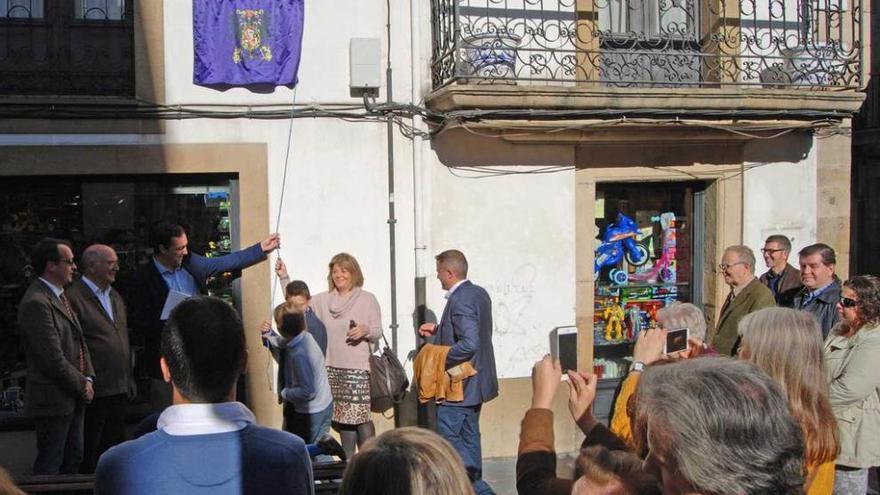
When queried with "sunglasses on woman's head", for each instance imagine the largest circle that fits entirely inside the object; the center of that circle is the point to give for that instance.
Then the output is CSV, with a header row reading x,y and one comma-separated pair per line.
x,y
848,303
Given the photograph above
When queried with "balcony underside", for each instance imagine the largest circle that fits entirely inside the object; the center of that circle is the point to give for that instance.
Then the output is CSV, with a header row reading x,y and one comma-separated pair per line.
x,y
500,101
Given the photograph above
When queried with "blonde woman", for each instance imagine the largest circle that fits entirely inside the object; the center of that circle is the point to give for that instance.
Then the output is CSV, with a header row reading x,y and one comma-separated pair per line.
x,y
352,318
787,345
406,461
852,352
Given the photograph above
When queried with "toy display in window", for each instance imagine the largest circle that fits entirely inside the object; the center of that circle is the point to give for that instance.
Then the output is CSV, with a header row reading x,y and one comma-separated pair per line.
x,y
663,270
620,242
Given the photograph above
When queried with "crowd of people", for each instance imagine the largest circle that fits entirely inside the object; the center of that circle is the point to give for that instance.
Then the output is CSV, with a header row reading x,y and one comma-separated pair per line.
x,y
75,331
780,395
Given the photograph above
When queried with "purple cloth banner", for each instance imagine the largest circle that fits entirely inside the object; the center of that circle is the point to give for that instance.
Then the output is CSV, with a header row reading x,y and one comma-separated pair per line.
x,y
241,42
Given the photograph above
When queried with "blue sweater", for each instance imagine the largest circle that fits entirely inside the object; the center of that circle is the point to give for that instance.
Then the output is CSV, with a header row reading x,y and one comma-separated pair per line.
x,y
317,329
254,460
304,376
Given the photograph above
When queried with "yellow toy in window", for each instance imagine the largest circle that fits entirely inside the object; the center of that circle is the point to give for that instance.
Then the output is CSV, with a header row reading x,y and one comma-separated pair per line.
x,y
613,316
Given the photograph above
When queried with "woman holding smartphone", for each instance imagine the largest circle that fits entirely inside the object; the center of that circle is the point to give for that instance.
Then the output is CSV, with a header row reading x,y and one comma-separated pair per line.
x,y
353,321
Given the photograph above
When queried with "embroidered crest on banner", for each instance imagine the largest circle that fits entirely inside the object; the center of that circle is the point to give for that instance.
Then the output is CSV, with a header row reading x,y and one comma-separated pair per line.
x,y
250,30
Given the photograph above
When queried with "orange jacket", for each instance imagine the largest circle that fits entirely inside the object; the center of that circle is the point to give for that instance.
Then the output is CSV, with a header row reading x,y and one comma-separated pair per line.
x,y
435,381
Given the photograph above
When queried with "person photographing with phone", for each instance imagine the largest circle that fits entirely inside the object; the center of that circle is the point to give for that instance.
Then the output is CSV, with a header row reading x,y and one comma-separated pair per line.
x,y
681,334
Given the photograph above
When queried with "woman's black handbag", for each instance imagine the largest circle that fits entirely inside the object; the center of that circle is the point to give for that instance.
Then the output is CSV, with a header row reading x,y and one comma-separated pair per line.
x,y
388,381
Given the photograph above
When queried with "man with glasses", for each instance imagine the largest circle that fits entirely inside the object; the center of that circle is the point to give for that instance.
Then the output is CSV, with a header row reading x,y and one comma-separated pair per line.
x,y
747,295
783,280
102,315
821,289
59,368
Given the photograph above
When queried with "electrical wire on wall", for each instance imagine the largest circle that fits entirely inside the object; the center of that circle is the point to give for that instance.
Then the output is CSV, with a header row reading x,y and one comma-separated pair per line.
x,y
440,122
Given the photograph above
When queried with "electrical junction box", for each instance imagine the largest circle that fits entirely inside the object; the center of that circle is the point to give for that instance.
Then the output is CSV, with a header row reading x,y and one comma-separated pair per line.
x,y
365,63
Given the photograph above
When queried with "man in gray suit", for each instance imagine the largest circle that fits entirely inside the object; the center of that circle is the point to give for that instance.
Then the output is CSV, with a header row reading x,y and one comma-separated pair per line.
x,y
101,313
60,375
466,326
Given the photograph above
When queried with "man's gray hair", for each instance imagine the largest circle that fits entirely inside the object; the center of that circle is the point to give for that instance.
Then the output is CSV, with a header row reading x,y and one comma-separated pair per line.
x,y
724,426
745,254
454,260
683,315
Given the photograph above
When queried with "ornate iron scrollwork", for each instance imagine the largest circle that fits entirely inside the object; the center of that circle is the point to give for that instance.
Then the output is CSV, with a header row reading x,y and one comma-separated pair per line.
x,y
649,43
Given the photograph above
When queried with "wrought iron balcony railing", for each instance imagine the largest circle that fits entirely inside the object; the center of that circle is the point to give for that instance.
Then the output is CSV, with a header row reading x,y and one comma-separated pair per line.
x,y
806,44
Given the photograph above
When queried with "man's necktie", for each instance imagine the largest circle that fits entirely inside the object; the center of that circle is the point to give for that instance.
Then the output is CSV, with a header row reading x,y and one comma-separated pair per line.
x,y
82,353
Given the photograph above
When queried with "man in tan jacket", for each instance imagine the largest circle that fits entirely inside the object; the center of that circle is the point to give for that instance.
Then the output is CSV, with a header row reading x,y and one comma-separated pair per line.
x,y
747,294
102,315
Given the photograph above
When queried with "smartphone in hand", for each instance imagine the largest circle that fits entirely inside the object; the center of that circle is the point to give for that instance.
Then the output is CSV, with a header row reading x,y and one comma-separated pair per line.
x,y
676,340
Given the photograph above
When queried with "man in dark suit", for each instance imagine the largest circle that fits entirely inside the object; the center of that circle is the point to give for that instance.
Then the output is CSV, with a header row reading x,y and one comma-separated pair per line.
x,y
101,313
821,291
466,326
173,267
60,375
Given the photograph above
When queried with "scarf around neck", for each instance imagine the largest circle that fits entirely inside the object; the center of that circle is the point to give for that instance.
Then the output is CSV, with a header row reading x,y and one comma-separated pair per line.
x,y
339,305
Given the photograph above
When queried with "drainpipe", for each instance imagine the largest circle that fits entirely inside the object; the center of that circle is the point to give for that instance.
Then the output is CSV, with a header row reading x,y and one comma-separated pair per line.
x,y
424,416
419,173
392,219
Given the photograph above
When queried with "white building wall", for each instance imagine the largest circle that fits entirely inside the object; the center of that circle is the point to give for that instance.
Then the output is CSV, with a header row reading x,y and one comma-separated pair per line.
x,y
518,234
335,198
780,193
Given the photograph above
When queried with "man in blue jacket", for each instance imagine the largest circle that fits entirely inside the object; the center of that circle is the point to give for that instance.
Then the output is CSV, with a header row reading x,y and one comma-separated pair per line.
x,y
466,326
173,267
206,442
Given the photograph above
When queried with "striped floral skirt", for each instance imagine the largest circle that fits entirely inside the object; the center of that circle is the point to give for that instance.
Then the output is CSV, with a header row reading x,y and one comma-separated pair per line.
x,y
351,395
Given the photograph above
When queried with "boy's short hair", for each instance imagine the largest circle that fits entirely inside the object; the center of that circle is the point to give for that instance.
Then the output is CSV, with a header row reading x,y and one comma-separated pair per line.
x,y
297,288
290,319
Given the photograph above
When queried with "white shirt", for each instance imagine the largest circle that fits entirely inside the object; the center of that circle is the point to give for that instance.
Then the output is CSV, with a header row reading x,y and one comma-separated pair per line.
x,y
205,419
452,289
55,289
102,295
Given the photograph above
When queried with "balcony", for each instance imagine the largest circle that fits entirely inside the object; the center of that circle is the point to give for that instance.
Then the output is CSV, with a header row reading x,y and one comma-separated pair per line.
x,y
772,44
801,59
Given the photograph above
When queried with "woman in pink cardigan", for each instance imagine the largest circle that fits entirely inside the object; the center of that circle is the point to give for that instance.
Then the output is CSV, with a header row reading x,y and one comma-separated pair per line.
x,y
353,321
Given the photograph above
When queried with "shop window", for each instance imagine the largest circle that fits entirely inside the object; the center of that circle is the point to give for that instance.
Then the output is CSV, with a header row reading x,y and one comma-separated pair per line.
x,y
644,260
117,211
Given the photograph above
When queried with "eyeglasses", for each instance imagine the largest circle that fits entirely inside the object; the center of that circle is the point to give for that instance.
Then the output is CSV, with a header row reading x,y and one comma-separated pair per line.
x,y
846,302
67,261
725,266
771,251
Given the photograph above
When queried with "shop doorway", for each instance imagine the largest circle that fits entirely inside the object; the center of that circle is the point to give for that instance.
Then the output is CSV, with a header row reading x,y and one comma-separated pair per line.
x,y
650,252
